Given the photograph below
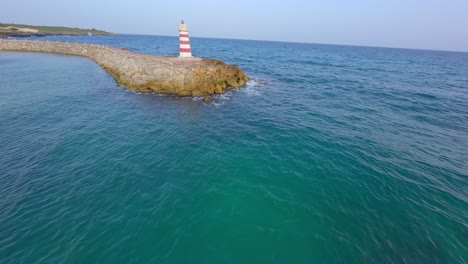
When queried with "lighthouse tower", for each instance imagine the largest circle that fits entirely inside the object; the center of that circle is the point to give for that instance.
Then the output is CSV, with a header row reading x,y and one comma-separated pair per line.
x,y
185,50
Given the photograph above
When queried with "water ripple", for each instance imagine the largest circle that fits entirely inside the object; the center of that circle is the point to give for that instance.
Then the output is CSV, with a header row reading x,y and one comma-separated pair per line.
x,y
331,154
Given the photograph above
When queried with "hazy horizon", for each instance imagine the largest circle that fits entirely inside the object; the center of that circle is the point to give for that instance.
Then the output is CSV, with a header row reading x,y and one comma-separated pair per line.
x,y
434,25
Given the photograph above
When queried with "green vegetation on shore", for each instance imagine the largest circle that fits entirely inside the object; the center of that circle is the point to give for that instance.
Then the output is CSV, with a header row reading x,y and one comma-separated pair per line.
x,y
18,30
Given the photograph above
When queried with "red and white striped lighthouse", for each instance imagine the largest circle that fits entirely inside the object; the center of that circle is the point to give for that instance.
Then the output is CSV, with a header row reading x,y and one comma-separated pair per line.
x,y
185,50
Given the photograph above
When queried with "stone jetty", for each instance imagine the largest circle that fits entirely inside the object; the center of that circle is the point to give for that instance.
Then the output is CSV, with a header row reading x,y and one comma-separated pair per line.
x,y
146,73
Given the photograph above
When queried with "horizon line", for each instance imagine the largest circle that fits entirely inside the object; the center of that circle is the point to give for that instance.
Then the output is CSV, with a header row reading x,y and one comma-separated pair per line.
x,y
299,42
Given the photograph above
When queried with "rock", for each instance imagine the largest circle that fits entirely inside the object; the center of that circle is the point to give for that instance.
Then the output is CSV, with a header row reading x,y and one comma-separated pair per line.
x,y
210,89
146,73
207,99
185,93
197,93
232,82
219,89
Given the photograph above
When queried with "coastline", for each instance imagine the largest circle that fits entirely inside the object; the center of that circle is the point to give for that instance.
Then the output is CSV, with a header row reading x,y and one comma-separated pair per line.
x,y
146,73
5,35
20,30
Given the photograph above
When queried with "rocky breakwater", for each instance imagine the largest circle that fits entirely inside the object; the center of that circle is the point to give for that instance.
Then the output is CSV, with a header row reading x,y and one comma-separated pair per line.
x,y
147,73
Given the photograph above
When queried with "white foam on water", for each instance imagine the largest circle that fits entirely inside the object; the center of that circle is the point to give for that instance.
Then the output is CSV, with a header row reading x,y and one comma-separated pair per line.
x,y
256,83
253,92
161,95
226,96
252,88
218,104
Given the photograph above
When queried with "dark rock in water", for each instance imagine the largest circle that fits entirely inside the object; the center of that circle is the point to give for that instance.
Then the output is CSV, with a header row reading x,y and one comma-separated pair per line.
x,y
207,99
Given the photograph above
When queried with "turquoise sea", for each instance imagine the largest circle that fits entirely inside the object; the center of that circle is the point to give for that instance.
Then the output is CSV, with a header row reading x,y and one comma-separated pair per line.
x,y
331,154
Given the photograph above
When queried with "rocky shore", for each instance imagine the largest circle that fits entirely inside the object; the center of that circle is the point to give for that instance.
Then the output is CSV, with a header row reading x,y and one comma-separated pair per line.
x,y
146,73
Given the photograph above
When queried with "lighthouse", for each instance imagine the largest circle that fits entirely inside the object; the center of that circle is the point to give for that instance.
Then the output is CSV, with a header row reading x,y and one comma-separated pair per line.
x,y
185,50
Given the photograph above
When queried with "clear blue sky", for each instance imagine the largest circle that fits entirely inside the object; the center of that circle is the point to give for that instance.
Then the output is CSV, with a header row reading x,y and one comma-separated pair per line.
x,y
425,24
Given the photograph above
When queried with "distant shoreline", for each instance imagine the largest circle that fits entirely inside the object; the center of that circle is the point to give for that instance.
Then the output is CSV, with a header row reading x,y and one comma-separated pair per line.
x,y
19,30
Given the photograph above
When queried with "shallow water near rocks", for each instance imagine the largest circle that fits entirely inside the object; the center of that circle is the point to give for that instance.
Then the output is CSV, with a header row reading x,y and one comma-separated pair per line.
x,y
344,155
